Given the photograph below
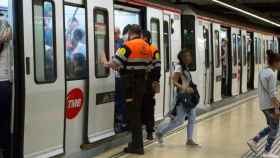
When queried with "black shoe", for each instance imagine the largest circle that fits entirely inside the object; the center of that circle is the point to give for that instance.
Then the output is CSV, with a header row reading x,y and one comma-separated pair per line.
x,y
134,151
150,136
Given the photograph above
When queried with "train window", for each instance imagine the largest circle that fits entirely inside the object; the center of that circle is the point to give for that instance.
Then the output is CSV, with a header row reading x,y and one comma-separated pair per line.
x,y
264,51
259,51
155,31
166,45
255,51
217,48
75,43
239,47
130,16
234,49
101,36
207,51
44,41
244,50
188,37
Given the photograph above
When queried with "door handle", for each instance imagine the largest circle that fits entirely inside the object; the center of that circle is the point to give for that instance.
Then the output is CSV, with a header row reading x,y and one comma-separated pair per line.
x,y
27,62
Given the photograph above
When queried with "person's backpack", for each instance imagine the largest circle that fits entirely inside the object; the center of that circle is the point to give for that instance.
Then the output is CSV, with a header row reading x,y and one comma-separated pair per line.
x,y
190,101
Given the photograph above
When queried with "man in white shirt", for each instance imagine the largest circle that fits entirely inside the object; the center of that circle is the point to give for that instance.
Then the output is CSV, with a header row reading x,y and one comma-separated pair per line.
x,y
5,86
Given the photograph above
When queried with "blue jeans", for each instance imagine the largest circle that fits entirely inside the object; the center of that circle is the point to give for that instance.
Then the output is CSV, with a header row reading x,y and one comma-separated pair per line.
x,y
181,114
120,109
271,130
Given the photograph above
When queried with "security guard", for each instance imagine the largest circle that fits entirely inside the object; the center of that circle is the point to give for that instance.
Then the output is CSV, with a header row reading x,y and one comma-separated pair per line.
x,y
133,60
152,86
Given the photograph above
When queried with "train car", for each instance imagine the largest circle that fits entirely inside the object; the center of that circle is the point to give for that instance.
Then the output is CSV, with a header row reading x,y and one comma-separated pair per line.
x,y
228,54
68,95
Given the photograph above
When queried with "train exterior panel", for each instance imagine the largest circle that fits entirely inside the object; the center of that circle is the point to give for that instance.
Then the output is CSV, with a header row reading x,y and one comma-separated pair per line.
x,y
69,95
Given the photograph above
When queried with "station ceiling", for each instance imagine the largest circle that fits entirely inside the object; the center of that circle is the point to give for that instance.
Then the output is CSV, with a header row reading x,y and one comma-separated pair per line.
x,y
268,9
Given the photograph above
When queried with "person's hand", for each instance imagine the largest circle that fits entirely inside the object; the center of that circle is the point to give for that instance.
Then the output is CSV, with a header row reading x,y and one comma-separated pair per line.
x,y
7,36
156,86
188,90
275,103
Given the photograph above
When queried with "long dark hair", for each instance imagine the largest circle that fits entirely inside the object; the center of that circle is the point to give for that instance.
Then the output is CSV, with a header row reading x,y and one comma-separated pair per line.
x,y
272,57
180,57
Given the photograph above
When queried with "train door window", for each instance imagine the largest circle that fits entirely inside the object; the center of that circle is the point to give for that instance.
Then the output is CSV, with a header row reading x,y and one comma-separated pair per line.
x,y
244,51
264,50
131,16
239,46
234,49
217,48
256,50
206,39
259,51
166,44
44,41
155,32
271,45
75,43
101,43
188,37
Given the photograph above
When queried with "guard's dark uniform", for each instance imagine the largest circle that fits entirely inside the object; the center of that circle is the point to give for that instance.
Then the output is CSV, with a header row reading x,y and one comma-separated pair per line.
x,y
134,57
148,106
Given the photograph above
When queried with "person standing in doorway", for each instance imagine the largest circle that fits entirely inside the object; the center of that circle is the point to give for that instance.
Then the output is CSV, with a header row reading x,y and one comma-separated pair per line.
x,y
269,104
132,60
148,113
120,109
5,86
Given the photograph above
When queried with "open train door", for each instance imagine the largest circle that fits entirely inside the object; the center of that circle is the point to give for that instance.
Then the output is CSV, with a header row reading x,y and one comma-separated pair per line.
x,y
235,67
217,79
101,80
244,70
44,78
155,26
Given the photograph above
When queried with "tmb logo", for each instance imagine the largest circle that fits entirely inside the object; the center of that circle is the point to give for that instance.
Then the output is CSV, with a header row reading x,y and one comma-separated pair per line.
x,y
74,103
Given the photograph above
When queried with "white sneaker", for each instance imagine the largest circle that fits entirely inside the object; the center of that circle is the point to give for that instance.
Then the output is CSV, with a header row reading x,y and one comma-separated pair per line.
x,y
270,155
159,137
253,145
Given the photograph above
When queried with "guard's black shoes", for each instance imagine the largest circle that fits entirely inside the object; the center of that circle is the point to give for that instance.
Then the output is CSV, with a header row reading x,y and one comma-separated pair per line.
x,y
150,136
134,151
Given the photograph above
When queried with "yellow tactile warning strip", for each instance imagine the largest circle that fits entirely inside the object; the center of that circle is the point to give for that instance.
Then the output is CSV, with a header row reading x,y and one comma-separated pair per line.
x,y
261,146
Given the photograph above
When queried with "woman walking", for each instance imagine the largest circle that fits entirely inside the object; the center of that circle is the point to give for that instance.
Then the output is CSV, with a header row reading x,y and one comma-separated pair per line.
x,y
181,80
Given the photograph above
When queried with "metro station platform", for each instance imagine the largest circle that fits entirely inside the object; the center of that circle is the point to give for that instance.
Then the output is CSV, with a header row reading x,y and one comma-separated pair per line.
x,y
222,135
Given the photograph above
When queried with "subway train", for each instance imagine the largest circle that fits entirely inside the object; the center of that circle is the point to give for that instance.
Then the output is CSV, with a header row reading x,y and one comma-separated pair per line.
x,y
64,96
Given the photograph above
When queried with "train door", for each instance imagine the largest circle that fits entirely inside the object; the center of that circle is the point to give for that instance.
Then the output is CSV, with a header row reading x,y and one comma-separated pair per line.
x,y
208,84
44,78
101,110
226,62
250,60
167,54
234,65
244,63
155,26
76,73
217,78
